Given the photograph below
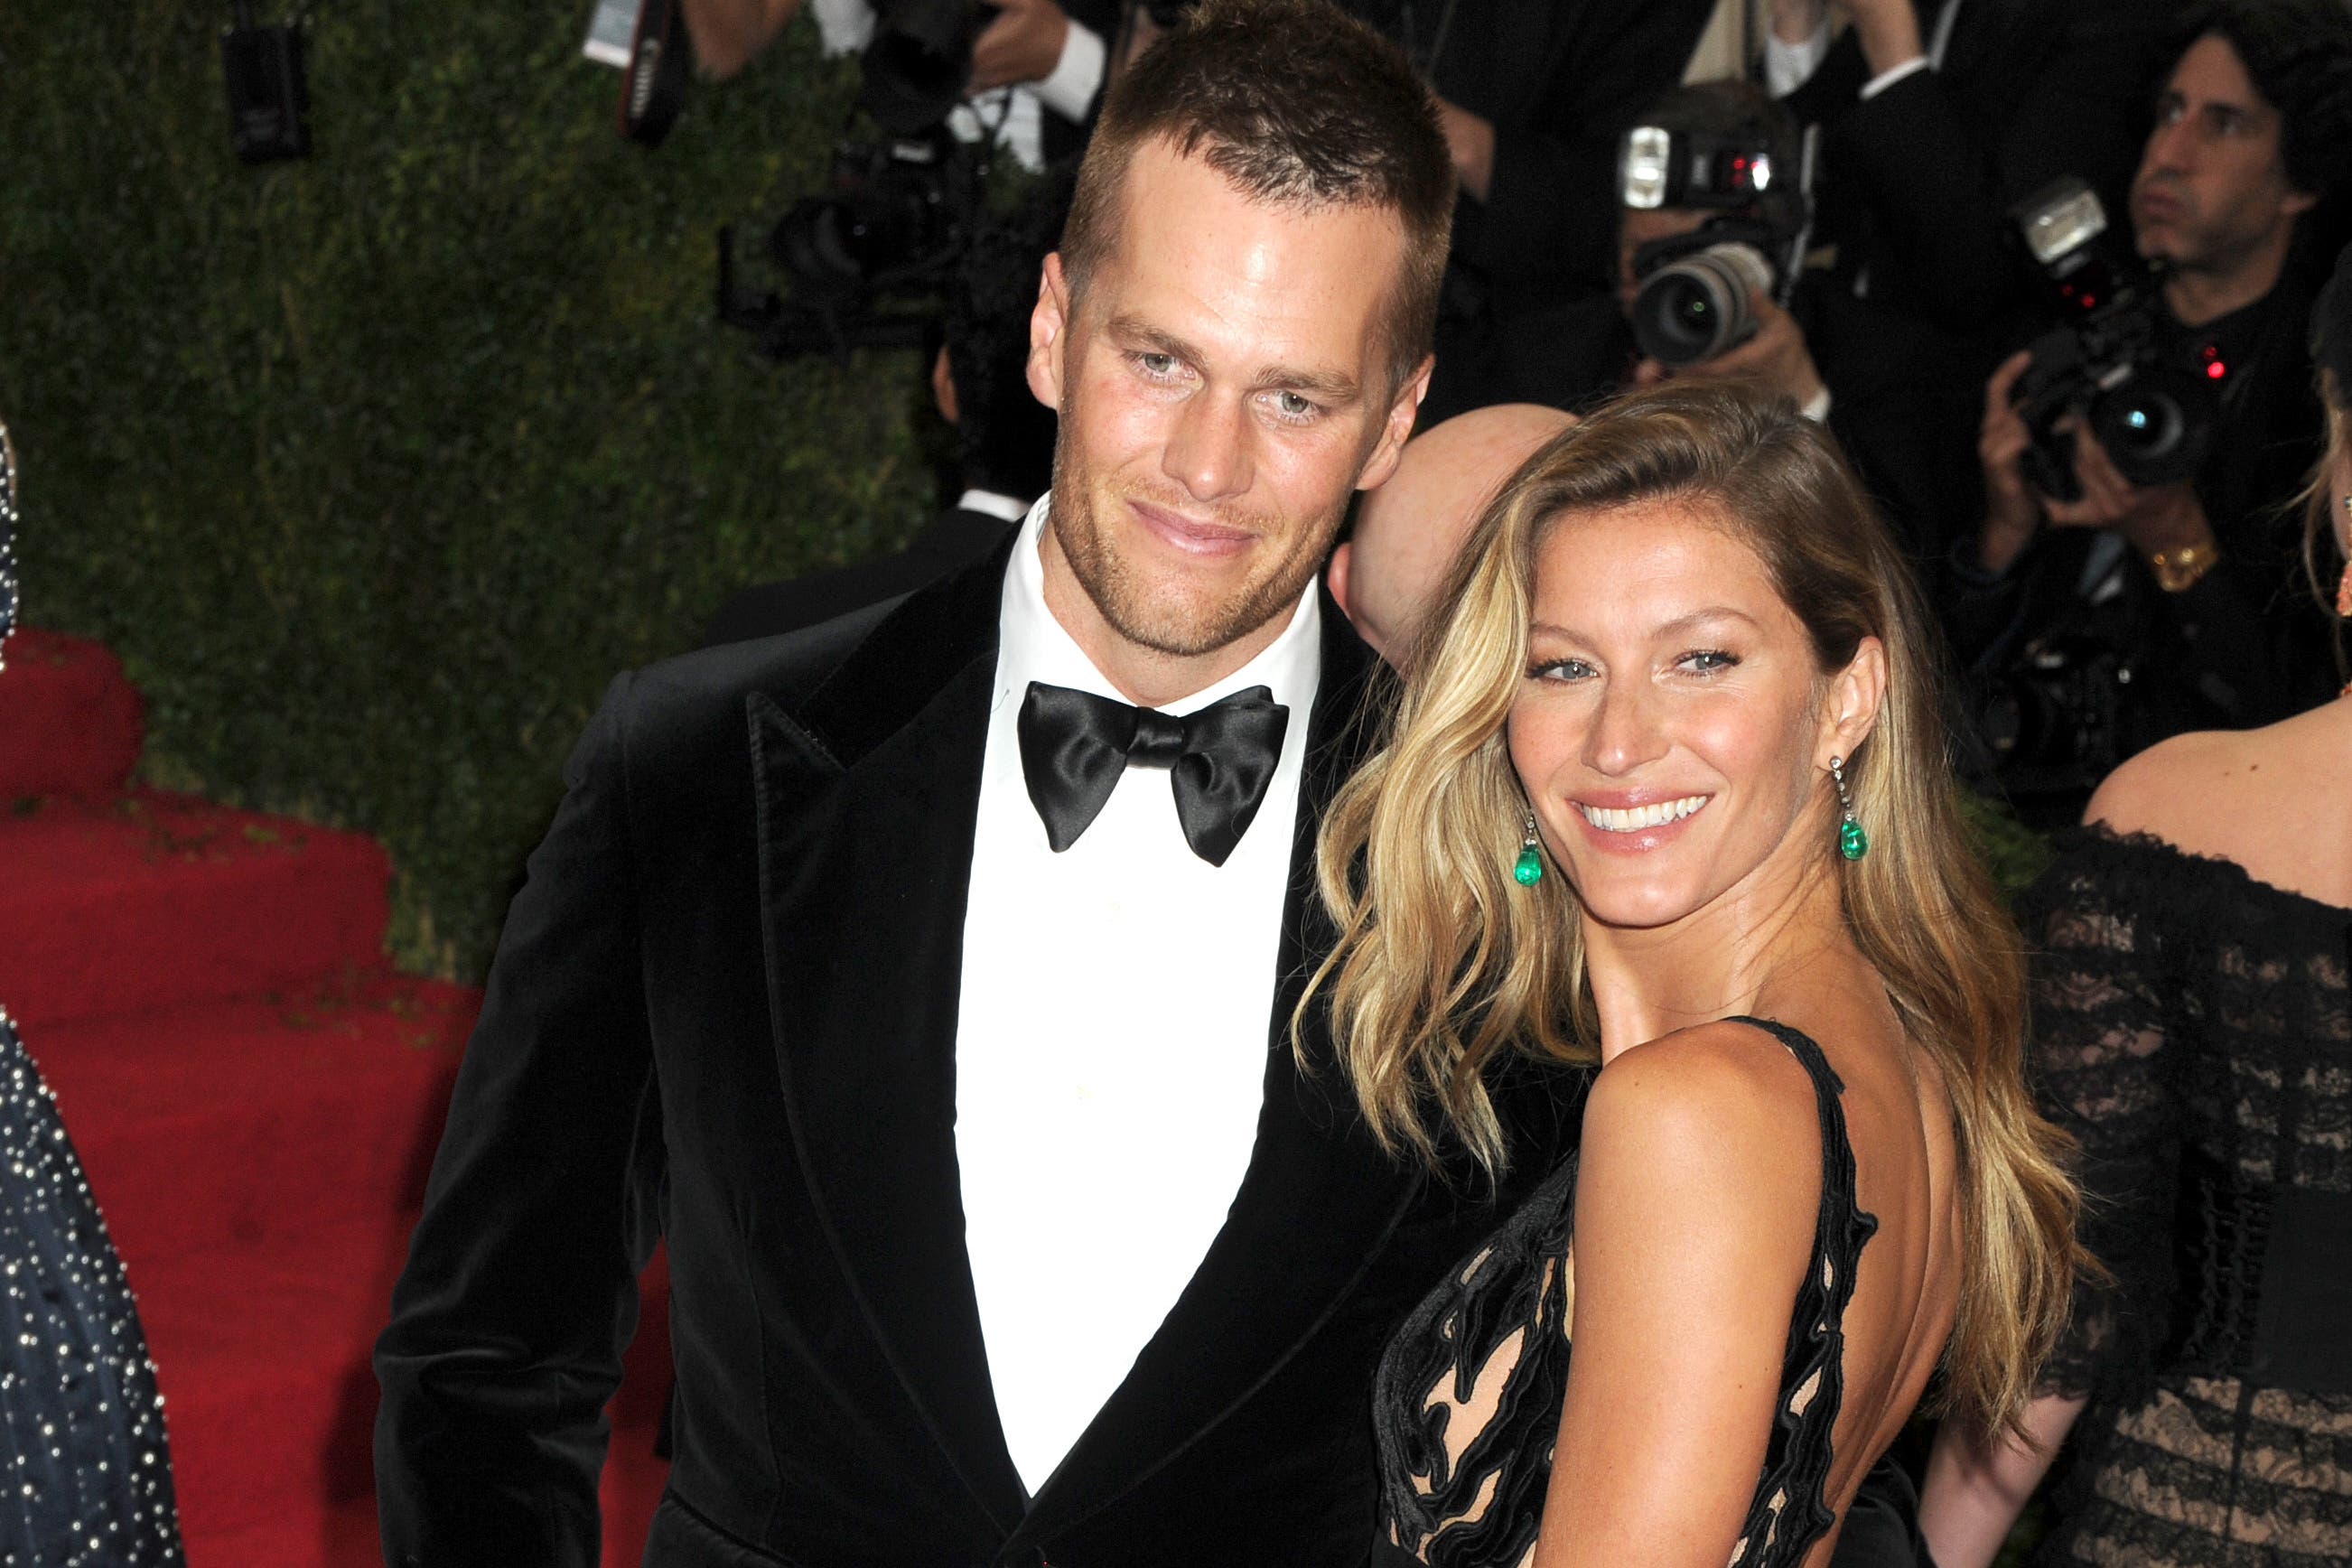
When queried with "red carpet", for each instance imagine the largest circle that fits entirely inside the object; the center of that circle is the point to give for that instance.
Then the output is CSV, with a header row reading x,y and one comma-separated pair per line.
x,y
257,1100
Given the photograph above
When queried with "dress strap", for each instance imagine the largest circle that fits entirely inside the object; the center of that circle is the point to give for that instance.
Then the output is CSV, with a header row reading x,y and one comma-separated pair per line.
x,y
1829,1095
1790,1501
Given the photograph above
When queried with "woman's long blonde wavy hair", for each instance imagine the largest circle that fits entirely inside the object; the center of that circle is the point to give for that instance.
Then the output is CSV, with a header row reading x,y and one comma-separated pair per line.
x,y
1444,961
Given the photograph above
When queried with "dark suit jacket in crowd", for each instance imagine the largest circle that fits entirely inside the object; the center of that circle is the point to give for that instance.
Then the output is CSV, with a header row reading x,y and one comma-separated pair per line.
x,y
956,538
1918,182
749,912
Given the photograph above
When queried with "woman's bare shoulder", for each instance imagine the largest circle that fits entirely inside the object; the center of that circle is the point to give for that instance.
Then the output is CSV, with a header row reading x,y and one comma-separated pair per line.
x,y
2270,800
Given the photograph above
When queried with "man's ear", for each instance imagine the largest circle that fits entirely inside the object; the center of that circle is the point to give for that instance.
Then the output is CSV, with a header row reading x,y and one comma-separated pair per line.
x,y
1335,576
1396,427
1855,695
2297,203
1047,324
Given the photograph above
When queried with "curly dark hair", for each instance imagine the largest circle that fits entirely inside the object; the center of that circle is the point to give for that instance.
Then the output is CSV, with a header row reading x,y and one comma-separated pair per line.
x,y
2299,54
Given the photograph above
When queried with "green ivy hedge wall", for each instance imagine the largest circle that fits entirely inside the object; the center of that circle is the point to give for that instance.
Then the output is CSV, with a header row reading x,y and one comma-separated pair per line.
x,y
376,467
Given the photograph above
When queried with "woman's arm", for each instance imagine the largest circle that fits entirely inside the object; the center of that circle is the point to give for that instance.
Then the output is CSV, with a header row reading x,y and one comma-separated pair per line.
x,y
1977,1485
1697,1193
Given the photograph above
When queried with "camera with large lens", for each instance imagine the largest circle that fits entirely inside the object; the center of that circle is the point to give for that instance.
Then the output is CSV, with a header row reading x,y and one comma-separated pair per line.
x,y
895,214
862,263
1693,303
2150,398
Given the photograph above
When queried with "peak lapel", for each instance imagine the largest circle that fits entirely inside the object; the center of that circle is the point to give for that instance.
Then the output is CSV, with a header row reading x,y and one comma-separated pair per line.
x,y
1315,1207
868,791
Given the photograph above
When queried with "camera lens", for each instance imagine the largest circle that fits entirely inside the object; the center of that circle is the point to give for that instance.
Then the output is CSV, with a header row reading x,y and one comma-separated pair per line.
x,y
2156,424
1695,306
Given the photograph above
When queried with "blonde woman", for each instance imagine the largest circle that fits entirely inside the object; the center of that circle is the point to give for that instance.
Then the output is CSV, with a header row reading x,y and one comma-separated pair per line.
x,y
2192,1027
1668,793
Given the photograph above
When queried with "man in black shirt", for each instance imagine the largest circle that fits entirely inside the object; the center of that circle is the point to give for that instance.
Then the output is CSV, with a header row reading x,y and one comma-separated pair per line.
x,y
2171,607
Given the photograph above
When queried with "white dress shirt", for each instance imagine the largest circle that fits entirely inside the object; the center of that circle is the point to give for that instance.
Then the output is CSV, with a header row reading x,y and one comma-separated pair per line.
x,y
1112,1038
1009,116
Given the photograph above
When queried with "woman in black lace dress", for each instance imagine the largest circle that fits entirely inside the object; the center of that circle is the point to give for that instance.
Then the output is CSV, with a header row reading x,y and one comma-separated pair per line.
x,y
1668,791
2191,1027
85,1473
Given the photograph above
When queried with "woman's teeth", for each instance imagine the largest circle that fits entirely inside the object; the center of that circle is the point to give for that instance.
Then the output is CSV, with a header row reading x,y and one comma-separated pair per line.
x,y
1634,818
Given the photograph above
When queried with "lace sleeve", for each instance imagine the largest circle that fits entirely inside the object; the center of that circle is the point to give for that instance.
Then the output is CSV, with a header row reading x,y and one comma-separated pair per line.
x,y
2101,1058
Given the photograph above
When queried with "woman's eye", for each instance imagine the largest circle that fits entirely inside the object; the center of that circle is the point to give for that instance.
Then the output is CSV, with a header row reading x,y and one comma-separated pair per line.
x,y
1560,669
1709,661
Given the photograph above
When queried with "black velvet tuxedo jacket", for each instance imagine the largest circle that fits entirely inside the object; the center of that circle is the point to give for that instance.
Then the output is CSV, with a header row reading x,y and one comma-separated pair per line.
x,y
738,952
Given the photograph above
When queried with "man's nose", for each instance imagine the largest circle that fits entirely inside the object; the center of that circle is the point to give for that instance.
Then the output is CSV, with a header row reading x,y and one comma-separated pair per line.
x,y
2170,147
1208,448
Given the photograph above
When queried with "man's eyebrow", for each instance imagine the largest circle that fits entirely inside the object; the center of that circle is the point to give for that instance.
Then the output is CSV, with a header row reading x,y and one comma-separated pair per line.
x,y
1329,387
1134,330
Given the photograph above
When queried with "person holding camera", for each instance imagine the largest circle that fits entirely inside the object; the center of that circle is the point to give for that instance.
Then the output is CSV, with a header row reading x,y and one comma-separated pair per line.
x,y
2130,578
1712,284
1533,96
2191,1032
1036,72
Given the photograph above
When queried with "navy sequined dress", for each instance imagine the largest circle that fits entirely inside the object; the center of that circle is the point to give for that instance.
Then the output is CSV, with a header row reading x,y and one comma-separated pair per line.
x,y
1467,1399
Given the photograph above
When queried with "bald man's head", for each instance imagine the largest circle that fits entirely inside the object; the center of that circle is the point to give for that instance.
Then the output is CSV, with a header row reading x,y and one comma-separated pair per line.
x,y
1408,530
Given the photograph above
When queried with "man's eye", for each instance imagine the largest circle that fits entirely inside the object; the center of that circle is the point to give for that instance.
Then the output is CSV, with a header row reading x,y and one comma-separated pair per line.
x,y
1157,364
1291,405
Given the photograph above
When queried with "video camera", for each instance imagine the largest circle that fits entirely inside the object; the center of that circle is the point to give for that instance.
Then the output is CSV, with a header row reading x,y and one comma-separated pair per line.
x,y
1695,287
2151,403
862,264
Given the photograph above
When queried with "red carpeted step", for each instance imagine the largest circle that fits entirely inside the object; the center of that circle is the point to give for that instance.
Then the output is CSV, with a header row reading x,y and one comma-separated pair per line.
x,y
262,1355
232,1122
68,720
156,901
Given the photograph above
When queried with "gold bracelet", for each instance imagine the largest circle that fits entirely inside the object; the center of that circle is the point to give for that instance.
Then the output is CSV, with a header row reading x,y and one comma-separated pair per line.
x,y
2178,571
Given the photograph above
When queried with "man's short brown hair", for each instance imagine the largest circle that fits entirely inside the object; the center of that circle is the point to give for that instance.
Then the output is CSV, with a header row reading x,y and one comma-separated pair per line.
x,y
1297,105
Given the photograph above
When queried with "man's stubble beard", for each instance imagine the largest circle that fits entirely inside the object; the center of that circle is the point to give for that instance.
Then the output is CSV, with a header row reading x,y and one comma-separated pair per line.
x,y
1179,629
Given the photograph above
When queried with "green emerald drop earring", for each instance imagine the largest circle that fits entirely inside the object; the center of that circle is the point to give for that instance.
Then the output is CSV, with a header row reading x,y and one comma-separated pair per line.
x,y
1853,842
1527,870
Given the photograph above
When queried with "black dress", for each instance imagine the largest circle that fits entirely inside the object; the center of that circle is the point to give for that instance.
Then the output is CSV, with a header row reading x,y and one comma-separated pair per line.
x,y
2191,1029
1462,1483
88,1472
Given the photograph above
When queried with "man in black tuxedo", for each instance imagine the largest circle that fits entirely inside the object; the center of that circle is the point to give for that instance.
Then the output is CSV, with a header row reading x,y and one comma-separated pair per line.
x,y
1003,1223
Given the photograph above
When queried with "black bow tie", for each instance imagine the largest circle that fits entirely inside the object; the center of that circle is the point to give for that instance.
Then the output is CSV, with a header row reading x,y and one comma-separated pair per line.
x,y
1075,745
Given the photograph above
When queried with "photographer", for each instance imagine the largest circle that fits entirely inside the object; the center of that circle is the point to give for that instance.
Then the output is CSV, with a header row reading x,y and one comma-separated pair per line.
x,y
1036,65
2098,616
1004,436
1534,95
1816,350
